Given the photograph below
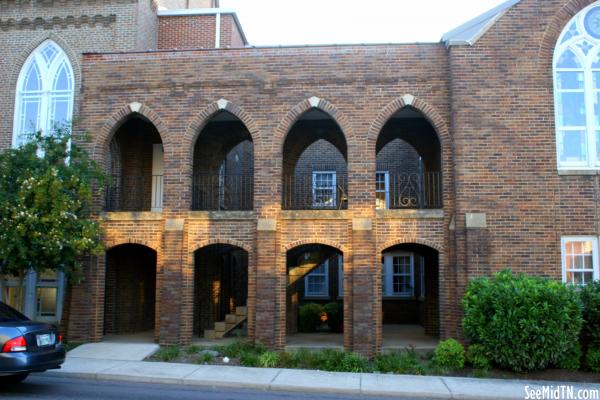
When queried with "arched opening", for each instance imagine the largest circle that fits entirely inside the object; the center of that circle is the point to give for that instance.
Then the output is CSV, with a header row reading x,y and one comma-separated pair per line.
x,y
130,291
223,166
135,166
408,163
315,173
410,296
315,293
220,291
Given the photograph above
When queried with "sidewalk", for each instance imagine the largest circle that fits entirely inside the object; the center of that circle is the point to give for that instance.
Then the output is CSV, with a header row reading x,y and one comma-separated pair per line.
x,y
300,380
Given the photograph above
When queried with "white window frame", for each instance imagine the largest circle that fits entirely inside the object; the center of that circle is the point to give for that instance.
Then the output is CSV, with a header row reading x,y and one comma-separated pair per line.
x,y
48,74
388,274
386,190
333,188
314,273
595,264
590,92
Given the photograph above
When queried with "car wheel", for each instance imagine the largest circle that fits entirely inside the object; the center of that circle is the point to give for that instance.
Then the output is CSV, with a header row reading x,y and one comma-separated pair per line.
x,y
14,378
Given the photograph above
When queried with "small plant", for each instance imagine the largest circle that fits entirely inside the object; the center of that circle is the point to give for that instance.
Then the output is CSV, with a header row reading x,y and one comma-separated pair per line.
x,y
477,357
268,359
590,297
593,359
449,354
235,349
168,353
352,362
309,317
193,349
326,360
302,358
249,359
406,362
205,358
572,359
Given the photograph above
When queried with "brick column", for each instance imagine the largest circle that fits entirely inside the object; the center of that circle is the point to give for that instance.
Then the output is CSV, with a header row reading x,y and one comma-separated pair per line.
x,y
169,283
270,308
86,311
366,310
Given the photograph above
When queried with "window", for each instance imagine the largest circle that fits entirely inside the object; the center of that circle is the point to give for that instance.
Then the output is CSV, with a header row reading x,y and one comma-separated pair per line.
x,y
46,294
382,190
324,189
580,260
577,93
398,274
340,276
316,283
44,92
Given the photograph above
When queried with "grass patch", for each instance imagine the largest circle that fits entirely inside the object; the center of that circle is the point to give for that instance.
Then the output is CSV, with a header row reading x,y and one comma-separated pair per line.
x,y
168,353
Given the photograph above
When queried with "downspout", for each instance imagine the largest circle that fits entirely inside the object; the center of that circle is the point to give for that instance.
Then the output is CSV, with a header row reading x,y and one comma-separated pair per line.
x,y
217,30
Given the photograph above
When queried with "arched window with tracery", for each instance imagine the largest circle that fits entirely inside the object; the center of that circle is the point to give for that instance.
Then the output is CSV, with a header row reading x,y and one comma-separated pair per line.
x,y
45,91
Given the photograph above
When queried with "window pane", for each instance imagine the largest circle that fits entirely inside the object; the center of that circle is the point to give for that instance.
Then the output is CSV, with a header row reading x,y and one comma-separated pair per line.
x,y
33,80
568,59
570,80
63,79
60,112
49,52
588,277
13,296
571,109
46,302
573,146
30,109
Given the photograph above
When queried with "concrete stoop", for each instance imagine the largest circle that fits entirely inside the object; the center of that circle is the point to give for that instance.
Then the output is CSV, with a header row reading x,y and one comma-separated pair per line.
x,y
222,328
302,380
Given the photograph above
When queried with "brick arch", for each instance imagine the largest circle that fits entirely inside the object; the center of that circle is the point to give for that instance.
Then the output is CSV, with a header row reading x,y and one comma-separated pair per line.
x,y
111,244
553,31
338,246
428,112
409,240
201,119
112,125
299,109
231,242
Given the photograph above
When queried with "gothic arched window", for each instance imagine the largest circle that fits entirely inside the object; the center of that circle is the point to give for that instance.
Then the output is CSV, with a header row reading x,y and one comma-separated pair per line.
x,y
45,92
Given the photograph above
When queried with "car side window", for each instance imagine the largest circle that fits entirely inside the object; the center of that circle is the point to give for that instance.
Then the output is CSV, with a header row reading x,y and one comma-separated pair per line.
x,y
7,314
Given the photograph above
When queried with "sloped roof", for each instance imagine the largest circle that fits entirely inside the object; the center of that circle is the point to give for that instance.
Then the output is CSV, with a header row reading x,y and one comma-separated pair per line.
x,y
469,32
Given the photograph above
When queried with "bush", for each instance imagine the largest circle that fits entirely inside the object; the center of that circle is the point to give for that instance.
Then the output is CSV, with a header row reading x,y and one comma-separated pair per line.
x,y
593,358
477,357
572,358
168,353
249,359
399,363
590,297
335,316
268,359
326,360
449,354
205,358
309,317
352,362
235,349
522,322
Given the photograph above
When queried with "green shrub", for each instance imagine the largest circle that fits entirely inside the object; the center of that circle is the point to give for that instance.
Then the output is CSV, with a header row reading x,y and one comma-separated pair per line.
x,y
335,316
406,362
590,297
571,359
352,362
309,317
449,354
193,349
205,358
523,322
249,359
302,358
592,358
477,357
268,359
235,349
326,360
168,353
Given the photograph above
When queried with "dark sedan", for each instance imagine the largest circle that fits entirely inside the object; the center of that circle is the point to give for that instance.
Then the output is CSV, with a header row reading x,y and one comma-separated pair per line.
x,y
27,346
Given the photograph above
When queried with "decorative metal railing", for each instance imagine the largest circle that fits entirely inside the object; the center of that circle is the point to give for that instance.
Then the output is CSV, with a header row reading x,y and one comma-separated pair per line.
x,y
222,192
311,192
410,191
134,193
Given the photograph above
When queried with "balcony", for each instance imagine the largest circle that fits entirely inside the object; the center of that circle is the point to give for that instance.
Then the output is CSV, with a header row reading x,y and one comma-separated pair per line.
x,y
322,190
134,193
408,190
222,192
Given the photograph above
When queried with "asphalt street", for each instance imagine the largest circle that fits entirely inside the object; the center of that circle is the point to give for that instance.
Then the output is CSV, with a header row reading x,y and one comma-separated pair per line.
x,y
45,387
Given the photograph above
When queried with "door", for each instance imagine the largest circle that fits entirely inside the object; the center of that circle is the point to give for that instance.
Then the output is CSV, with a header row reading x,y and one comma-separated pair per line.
x,y
157,177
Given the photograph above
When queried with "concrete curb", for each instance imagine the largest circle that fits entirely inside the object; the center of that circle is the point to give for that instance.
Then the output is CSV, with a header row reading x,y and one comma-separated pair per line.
x,y
307,381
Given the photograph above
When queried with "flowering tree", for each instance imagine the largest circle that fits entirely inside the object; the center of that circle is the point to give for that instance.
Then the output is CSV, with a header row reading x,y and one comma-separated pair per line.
x,y
46,192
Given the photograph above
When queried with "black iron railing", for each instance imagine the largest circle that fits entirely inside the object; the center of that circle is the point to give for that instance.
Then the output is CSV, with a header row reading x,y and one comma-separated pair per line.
x,y
222,192
409,190
316,191
134,193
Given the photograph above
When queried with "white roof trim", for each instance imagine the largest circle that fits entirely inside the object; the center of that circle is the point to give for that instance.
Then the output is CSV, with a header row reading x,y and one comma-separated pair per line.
x,y
469,32
205,11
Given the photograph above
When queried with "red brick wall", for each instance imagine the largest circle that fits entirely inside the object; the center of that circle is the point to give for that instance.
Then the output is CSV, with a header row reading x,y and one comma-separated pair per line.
x,y
186,32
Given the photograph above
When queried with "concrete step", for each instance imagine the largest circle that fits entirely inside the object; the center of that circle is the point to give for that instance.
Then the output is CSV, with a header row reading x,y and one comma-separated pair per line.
x,y
231,318
241,311
220,326
209,334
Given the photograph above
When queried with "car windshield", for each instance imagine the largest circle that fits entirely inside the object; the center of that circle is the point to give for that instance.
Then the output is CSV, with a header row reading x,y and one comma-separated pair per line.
x,y
8,314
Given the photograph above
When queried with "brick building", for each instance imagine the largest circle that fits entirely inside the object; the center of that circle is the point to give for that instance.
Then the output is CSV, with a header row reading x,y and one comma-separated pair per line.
x,y
244,180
